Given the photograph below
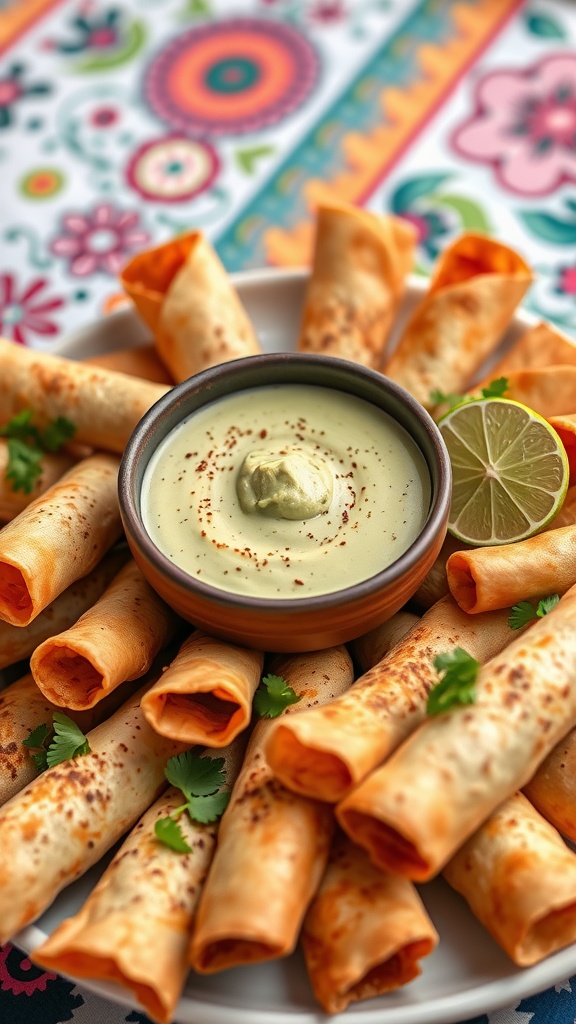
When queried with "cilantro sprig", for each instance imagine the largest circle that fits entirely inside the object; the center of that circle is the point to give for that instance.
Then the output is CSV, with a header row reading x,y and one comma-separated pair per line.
x,y
457,685
273,695
200,780
27,444
50,745
495,389
524,612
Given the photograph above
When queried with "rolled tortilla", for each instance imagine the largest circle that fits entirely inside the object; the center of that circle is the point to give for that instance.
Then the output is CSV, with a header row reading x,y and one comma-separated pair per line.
x,y
58,538
182,292
549,390
541,345
18,642
417,809
272,844
103,405
326,751
519,879
134,928
470,301
369,649
69,816
139,361
483,579
365,931
552,788
359,268
114,641
12,502
205,694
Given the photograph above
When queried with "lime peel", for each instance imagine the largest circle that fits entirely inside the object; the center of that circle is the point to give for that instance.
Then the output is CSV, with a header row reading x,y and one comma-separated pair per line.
x,y
510,471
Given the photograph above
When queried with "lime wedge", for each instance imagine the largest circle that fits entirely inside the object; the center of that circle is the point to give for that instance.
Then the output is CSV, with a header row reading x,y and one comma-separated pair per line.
x,y
510,471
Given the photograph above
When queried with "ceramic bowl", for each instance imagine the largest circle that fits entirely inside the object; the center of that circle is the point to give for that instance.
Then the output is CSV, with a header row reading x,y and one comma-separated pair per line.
x,y
286,624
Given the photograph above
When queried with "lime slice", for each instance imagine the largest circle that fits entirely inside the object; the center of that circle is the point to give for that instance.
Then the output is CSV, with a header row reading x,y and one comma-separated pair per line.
x,y
510,471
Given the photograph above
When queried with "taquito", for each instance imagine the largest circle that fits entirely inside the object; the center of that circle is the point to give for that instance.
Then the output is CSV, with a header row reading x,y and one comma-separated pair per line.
x,y
549,390
184,295
114,641
552,788
519,879
103,405
12,502
370,648
67,818
359,267
205,694
541,345
365,931
482,579
134,928
417,809
18,642
138,361
58,538
272,844
324,752
472,295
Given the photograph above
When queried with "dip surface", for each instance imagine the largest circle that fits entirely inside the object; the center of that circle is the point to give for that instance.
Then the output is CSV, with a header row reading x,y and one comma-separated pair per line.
x,y
376,507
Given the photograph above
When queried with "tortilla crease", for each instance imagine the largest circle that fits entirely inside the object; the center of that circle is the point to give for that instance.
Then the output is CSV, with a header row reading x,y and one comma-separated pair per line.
x,y
365,931
135,925
359,267
483,579
184,295
69,816
58,538
205,694
473,293
417,809
103,405
549,390
272,844
324,752
114,641
552,788
18,642
541,345
13,501
519,879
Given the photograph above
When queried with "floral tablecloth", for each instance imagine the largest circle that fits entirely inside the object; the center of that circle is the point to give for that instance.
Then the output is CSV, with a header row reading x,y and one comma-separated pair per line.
x,y
123,122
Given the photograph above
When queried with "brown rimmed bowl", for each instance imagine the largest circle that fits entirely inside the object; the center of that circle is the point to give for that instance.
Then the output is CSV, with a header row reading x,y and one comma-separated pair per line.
x,y
292,624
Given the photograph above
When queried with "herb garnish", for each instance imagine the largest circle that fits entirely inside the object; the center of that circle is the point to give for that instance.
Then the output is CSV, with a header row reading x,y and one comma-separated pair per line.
x,y
51,745
495,389
273,695
200,779
457,684
27,444
525,612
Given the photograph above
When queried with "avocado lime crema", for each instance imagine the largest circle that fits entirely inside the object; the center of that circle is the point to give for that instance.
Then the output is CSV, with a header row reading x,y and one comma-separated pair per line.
x,y
286,490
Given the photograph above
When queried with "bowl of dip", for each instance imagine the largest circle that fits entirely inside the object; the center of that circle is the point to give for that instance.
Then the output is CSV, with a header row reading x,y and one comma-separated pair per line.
x,y
286,501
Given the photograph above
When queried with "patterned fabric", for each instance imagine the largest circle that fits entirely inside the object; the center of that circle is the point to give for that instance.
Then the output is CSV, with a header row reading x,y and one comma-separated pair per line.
x,y
123,122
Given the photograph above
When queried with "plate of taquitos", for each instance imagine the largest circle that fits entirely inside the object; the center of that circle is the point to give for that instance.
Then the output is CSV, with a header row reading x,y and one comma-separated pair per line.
x,y
467,972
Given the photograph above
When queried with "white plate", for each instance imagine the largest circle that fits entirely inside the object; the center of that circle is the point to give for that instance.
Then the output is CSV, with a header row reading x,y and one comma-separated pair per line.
x,y
467,974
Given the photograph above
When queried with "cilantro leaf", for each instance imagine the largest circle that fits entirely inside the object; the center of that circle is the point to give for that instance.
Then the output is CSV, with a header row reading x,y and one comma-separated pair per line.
x,y
457,684
272,696
57,433
205,809
195,775
68,741
438,397
37,737
24,465
168,831
496,388
525,611
20,427
40,758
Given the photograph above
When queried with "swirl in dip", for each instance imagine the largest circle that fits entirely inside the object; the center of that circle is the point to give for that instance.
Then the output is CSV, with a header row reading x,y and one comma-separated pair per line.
x,y
286,490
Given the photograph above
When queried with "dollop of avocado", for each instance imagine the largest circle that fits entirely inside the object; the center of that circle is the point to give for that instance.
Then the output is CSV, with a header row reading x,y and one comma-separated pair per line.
x,y
286,483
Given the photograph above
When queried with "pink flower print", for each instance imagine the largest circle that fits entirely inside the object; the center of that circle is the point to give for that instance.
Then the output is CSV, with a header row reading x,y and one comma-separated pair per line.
x,y
525,126
37,981
27,311
100,241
